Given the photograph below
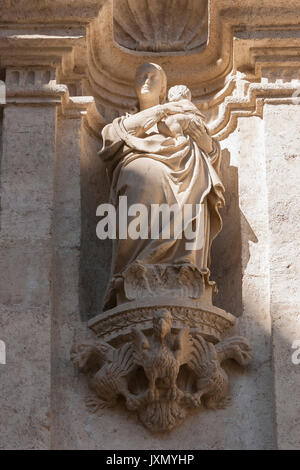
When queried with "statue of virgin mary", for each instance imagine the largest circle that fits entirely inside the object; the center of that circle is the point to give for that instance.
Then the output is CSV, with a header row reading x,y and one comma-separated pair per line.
x,y
152,168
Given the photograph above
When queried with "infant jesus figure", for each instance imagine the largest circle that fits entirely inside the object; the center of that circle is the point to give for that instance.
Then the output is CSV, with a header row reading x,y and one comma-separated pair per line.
x,y
190,122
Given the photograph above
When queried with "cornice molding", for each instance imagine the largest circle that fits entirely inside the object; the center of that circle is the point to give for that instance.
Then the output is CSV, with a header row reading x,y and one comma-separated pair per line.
x,y
111,68
33,85
38,86
244,42
275,79
45,11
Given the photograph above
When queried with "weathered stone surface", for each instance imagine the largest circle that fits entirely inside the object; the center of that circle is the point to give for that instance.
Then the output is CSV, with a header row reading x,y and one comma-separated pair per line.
x,y
54,270
156,278
26,262
282,146
148,373
160,26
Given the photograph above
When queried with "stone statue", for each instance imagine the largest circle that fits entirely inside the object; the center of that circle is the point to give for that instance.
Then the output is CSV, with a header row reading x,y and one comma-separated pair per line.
x,y
163,155
161,343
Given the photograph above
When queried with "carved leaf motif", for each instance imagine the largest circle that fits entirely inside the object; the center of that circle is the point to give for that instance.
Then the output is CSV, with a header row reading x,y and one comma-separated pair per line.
x,y
136,283
142,281
192,280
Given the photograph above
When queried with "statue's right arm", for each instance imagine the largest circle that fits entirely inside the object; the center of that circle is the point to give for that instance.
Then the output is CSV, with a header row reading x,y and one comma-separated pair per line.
x,y
139,123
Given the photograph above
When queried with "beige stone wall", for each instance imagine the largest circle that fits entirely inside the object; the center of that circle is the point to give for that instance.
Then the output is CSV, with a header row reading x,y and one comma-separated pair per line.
x,y
61,89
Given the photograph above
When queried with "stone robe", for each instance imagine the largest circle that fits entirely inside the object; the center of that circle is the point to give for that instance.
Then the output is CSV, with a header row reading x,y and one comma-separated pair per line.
x,y
155,169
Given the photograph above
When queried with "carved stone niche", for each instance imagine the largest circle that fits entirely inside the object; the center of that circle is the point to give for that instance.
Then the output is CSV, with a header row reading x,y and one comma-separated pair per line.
x,y
160,26
161,340
162,354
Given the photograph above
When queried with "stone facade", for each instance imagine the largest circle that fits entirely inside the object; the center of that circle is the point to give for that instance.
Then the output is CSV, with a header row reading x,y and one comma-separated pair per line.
x,y
69,68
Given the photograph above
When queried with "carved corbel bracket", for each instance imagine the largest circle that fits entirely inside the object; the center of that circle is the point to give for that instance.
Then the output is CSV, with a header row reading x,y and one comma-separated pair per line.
x,y
161,373
162,353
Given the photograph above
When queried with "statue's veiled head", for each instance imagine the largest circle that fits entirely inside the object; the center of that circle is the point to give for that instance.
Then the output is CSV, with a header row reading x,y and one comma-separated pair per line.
x,y
151,85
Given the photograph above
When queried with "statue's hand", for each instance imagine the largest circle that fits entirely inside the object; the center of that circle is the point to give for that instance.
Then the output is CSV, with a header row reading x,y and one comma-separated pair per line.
x,y
175,107
199,134
171,108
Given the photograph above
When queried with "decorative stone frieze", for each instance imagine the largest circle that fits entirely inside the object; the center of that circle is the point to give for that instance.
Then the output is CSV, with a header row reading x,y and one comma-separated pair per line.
x,y
210,321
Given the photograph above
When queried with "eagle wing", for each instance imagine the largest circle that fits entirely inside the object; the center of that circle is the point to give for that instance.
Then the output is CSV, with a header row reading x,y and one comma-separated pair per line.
x,y
122,362
183,346
204,362
140,345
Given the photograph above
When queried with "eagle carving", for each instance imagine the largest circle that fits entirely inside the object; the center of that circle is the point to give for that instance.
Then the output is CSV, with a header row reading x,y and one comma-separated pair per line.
x,y
161,375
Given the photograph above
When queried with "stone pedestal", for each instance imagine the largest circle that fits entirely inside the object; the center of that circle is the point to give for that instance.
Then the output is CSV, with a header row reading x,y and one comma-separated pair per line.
x,y
115,325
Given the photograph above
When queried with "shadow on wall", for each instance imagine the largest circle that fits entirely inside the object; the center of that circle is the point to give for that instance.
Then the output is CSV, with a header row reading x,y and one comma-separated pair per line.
x,y
228,266
2,102
1,149
248,422
227,263
95,254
